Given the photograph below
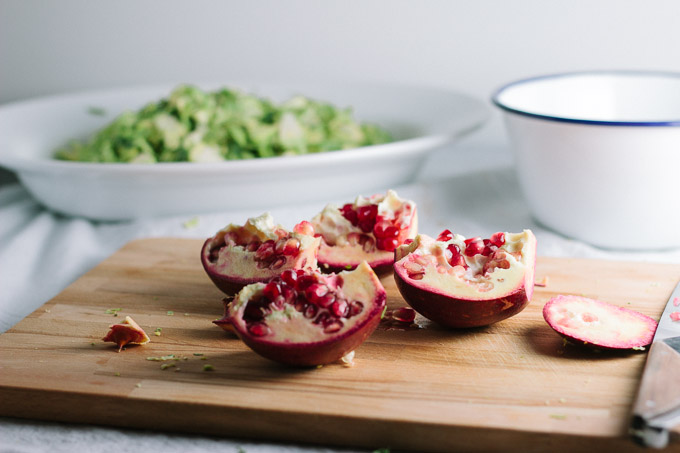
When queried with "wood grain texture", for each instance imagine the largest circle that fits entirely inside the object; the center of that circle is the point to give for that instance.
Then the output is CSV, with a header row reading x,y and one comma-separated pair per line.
x,y
427,389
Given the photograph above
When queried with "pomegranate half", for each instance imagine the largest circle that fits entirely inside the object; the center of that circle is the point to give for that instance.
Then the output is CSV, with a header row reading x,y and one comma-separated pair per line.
x,y
307,318
460,282
258,251
369,229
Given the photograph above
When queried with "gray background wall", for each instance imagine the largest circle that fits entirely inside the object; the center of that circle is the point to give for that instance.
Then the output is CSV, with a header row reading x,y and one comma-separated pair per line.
x,y
475,46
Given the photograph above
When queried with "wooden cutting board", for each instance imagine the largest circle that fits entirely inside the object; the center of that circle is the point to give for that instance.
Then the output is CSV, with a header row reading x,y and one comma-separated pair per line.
x,y
513,385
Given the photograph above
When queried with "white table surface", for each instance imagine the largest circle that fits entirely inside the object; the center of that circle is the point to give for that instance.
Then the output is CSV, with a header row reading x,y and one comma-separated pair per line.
x,y
470,189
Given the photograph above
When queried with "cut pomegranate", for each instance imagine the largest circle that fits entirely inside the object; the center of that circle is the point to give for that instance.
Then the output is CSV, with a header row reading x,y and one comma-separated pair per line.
x,y
370,229
310,319
462,282
598,324
257,252
127,332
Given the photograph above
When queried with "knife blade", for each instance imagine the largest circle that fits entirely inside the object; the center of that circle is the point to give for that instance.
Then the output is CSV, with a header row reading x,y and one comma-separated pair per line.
x,y
657,406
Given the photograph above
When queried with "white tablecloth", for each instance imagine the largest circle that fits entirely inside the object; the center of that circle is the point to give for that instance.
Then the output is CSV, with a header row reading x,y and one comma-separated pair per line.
x,y
468,189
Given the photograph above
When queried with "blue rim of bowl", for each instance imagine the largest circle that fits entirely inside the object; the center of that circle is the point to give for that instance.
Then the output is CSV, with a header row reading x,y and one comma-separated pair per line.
x,y
499,104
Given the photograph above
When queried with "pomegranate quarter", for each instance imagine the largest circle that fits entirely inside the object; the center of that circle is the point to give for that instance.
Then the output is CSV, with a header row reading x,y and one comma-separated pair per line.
x,y
458,282
308,318
599,324
256,252
370,229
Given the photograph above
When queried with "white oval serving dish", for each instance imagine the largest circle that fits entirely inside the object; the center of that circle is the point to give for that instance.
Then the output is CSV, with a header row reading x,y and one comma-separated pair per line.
x,y
420,119
598,154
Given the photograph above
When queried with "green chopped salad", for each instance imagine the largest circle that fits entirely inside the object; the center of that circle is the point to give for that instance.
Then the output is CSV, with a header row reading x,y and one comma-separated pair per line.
x,y
192,125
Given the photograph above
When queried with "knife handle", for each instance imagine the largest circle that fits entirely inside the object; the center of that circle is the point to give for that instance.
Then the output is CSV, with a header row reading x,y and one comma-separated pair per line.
x,y
657,407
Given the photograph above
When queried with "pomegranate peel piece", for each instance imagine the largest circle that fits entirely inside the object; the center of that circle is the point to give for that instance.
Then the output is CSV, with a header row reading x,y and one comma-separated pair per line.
x,y
127,332
311,318
598,324
458,282
224,322
368,229
257,251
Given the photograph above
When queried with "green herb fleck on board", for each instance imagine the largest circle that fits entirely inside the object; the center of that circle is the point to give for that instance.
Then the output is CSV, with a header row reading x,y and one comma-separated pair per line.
x,y
113,311
208,367
382,450
165,366
117,374
558,416
157,332
163,358
198,354
171,313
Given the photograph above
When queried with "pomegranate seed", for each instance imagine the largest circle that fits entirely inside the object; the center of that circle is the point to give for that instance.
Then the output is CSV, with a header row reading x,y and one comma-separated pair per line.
x,y
281,233
387,244
384,229
278,262
305,228
404,314
272,290
445,236
259,329
289,277
454,257
368,212
304,281
473,246
253,245
497,239
288,293
408,241
333,327
315,292
486,251
366,225
339,308
265,250
355,308
322,318
310,311
349,213
326,300
292,247
415,276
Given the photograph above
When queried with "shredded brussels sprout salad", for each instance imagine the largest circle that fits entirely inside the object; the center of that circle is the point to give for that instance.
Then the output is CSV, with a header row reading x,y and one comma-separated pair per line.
x,y
192,125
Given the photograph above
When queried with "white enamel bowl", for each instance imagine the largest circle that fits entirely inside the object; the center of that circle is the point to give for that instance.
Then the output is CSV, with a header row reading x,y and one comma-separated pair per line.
x,y
598,154
420,119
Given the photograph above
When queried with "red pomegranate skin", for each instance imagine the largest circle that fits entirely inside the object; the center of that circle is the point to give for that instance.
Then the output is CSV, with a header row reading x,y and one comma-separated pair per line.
x,y
450,311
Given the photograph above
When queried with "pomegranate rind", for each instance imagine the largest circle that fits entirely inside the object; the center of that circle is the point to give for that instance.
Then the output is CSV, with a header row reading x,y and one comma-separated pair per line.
x,y
451,301
237,267
127,332
598,324
338,253
310,351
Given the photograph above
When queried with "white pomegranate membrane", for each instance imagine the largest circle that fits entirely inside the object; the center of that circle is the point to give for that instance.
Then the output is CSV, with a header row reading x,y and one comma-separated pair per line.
x,y
596,323
369,229
257,251
472,268
308,318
